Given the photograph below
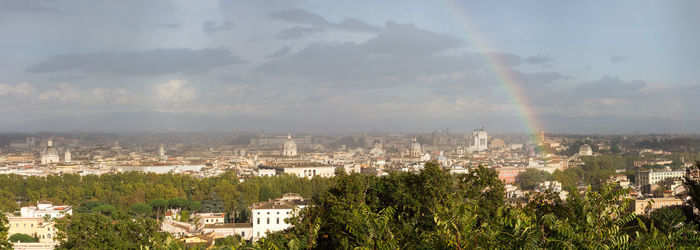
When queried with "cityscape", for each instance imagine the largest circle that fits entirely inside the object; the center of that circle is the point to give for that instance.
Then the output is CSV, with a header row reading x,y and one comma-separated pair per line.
x,y
453,124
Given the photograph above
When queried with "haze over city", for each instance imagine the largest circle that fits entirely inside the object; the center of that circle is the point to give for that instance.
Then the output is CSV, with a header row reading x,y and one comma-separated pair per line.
x,y
351,66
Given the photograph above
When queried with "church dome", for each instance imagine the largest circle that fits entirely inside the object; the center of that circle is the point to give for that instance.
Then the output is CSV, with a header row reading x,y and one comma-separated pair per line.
x,y
415,149
585,150
290,147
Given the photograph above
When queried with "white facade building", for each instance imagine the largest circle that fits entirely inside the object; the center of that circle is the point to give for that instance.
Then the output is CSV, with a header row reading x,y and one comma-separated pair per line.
x,y
269,216
480,138
45,208
646,177
415,150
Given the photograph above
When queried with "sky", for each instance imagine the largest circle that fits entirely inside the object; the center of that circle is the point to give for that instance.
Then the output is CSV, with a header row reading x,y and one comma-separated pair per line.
x,y
349,66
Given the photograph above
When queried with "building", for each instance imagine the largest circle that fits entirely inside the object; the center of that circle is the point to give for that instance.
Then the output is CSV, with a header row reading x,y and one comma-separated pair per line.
x,y
49,155
585,150
301,170
415,150
270,216
45,208
645,206
67,158
480,138
650,177
245,230
38,227
161,154
209,218
290,147
509,175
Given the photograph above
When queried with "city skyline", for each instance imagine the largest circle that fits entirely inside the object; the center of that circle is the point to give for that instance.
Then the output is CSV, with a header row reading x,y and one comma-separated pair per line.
x,y
307,66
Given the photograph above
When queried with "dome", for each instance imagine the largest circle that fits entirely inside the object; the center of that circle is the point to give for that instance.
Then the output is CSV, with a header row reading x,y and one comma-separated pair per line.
x,y
585,150
290,147
50,154
415,149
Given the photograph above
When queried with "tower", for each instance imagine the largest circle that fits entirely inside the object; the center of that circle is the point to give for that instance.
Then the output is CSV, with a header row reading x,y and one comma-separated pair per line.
x,y
67,158
480,139
161,154
290,147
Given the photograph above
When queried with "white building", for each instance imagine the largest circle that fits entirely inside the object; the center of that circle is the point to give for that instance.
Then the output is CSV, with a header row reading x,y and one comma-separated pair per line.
x,y
245,230
301,171
45,208
290,147
161,154
49,155
267,172
650,177
269,216
480,138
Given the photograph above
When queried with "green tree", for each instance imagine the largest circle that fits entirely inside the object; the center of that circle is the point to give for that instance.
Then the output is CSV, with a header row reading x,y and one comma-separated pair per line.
x,y
213,205
22,238
529,179
97,230
141,209
4,244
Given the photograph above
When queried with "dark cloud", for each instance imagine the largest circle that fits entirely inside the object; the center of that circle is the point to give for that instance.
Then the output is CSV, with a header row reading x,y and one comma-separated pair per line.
x,y
27,5
407,39
297,32
152,62
539,59
401,50
308,18
211,27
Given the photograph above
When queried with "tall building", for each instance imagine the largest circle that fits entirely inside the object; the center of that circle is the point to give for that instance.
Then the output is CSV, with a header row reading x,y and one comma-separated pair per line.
x,y
480,138
49,155
290,147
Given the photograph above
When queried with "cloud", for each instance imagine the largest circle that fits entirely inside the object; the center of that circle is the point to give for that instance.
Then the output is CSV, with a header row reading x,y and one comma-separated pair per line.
x,y
20,89
211,27
298,32
281,52
399,51
301,16
617,59
68,93
174,91
27,5
151,62
539,59
174,25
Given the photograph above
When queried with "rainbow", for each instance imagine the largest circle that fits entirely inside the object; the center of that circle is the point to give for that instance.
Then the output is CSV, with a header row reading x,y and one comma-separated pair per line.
x,y
511,85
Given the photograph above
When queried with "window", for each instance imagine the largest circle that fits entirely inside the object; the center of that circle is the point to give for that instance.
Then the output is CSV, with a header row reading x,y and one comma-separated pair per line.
x,y
243,234
268,220
258,220
278,220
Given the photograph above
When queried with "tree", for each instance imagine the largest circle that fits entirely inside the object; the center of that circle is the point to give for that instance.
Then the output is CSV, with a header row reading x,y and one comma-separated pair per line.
x,y
141,209
159,205
213,205
529,179
97,230
22,238
4,244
